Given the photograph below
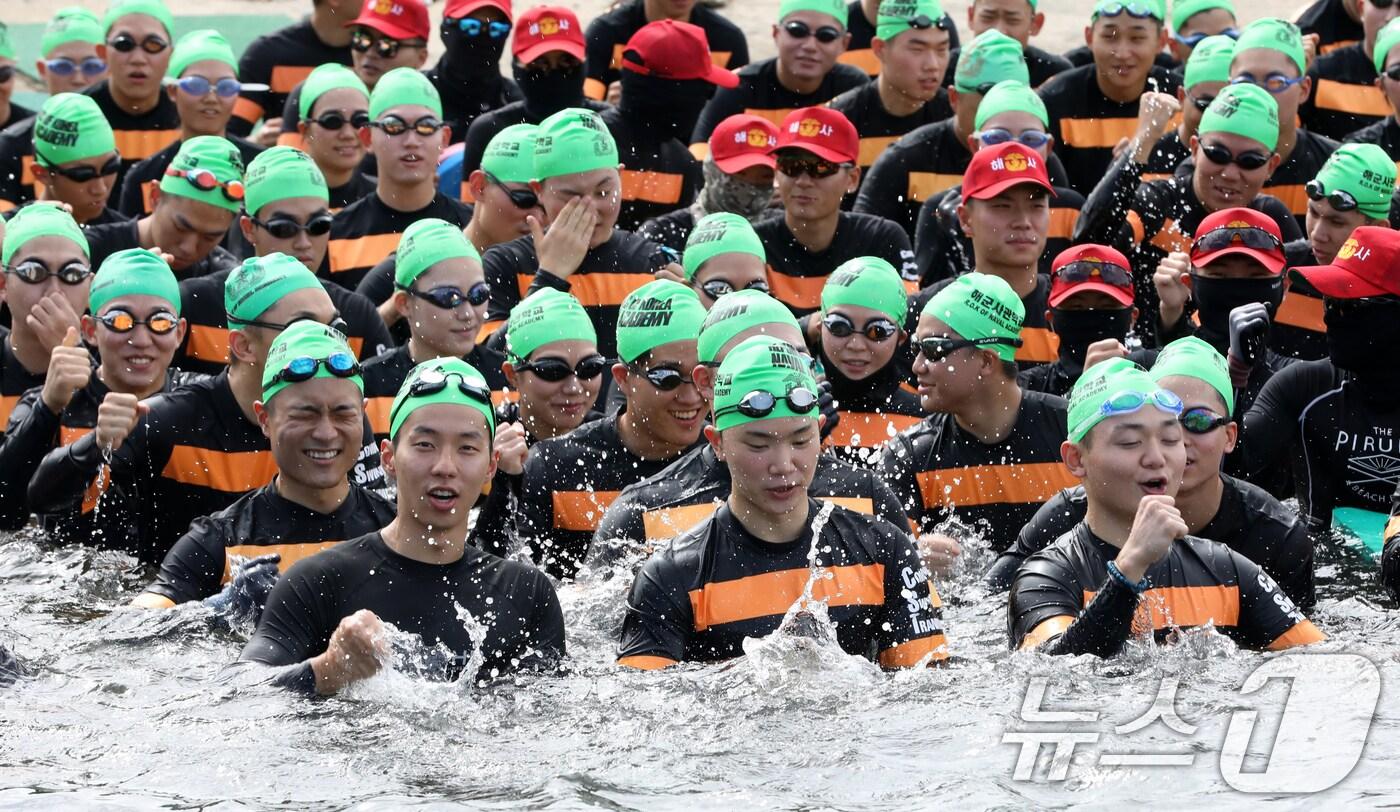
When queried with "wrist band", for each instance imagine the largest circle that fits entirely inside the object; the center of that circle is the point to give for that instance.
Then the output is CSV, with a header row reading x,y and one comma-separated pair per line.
x,y
1117,575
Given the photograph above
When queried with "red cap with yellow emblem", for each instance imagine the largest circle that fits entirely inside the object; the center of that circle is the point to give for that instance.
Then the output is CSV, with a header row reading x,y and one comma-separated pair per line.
x,y
742,141
1239,232
824,132
399,19
542,29
1367,264
1091,267
993,170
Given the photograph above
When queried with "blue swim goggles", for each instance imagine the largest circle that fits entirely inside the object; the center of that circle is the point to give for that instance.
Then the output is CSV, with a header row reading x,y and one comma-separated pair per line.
x,y
1130,401
1192,40
303,368
1141,11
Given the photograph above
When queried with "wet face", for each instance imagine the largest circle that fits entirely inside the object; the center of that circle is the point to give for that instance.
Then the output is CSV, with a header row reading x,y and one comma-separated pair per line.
x,y
440,459
308,249
1127,457
1010,229
1329,228
335,151
134,361
408,159
1124,48
369,65
1204,452
856,356
771,463
559,406
55,253
496,215
207,114
1257,65
188,229
1014,18
672,418
807,198
601,189
87,198
77,53
915,61
440,331
1209,23
946,385
1221,186
316,428
807,58
736,270
1201,91
136,73
308,303
1016,123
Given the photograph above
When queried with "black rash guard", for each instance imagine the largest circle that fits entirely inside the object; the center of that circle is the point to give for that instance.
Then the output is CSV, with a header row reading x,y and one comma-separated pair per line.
x,y
878,127
1039,345
1384,134
1344,96
797,275
1064,601
608,33
1299,330
659,175
281,60
872,410
365,232
145,175
761,94
1330,21
15,381
670,230
943,250
261,522
718,584
517,605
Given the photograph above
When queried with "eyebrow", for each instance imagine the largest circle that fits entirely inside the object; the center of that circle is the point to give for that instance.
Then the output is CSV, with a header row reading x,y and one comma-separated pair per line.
x,y
185,225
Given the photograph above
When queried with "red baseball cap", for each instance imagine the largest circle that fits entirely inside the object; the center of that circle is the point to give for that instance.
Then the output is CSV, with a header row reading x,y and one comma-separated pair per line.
x,y
399,19
1091,267
668,49
457,9
1237,232
547,28
993,170
824,132
1367,264
742,141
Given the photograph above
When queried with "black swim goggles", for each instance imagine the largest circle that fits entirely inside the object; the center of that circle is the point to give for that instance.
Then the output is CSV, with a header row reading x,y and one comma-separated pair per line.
x,y
664,379
1249,160
125,43
1341,200
520,198
160,322
336,323
285,228
303,368
432,381
555,370
761,403
826,34
334,120
1201,420
937,348
716,288
1236,237
876,331
36,271
451,297
86,172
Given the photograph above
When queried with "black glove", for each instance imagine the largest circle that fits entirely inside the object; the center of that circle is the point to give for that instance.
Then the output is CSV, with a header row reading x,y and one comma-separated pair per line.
x,y
247,591
826,402
1249,330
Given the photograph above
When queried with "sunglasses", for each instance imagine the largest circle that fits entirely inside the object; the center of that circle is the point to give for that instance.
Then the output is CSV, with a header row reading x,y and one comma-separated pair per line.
x,y
938,348
35,271
1092,270
1392,73
336,323
473,27
1201,102
816,167
334,120
384,47
92,66
160,322
1236,236
1340,200
432,381
125,43
997,135
716,288
392,125
1139,11
520,198
85,173
1275,83
1130,402
1201,420
877,331
449,297
225,88
1382,3
1192,40
826,34
302,368
761,404
664,379
1221,156
205,181
555,370
7,72
285,228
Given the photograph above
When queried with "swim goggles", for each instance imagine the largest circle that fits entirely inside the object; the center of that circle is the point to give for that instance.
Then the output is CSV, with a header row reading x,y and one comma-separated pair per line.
x,y
302,368
761,403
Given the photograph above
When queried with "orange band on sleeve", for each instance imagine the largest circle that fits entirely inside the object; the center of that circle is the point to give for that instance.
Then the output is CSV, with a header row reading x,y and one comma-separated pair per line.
x,y
646,662
907,655
1047,629
1301,634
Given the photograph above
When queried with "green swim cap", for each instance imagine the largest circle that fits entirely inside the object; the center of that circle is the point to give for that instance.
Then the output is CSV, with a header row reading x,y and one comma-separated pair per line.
x,y
71,24
40,220
207,153
894,15
720,233
1363,171
1245,110
1191,357
544,317
133,272
1011,96
1275,35
657,313
304,339
832,8
735,313
401,87
992,58
571,141
201,46
1186,9
761,364
1156,8
1111,381
7,48
979,305
71,127
426,243
1210,61
867,282
282,173
510,155
322,80
118,9
1386,39
454,372
256,285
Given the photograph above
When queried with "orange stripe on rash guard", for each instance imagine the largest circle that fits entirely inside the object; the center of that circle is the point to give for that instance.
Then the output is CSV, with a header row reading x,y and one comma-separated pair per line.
x,y
868,429
1046,629
665,523
291,553
1062,223
1185,606
1391,527
285,78
700,149
135,145
993,484
775,116
908,655
1302,311
1361,100
1155,176
1302,633
377,411
207,343
291,139
1170,238
772,593
361,252
652,187
923,185
863,58
646,662
487,329
594,89
227,471
68,435
1294,196
95,489
7,205
1139,230
581,510
1040,345
1087,133
247,110
1327,49
596,289
796,291
7,405
870,148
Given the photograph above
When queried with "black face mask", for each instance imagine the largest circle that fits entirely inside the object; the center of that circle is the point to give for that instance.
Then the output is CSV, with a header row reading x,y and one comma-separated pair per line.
x,y
467,57
670,107
1215,298
1362,334
1077,329
549,91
